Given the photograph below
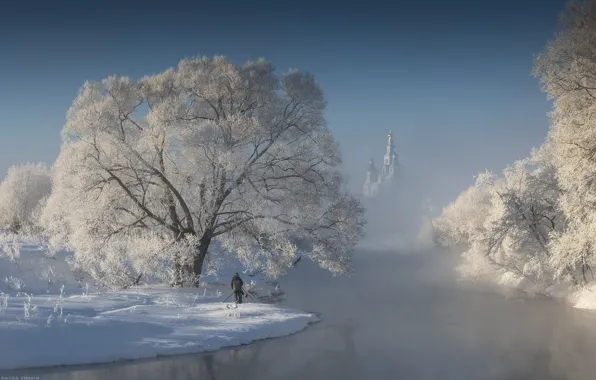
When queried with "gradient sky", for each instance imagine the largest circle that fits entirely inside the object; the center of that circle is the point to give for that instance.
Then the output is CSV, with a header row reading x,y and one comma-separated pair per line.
x,y
451,79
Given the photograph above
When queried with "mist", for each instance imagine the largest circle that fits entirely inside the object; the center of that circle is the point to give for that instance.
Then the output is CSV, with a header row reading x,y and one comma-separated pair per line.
x,y
399,217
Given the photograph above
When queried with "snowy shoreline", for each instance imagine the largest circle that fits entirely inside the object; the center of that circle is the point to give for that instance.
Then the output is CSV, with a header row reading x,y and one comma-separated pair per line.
x,y
111,327
576,297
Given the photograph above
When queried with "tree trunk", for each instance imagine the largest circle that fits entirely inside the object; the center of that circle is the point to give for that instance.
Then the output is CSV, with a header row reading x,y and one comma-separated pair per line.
x,y
178,267
178,280
204,243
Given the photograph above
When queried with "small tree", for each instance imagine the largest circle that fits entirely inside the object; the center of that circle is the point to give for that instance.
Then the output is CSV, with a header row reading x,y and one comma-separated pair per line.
x,y
464,218
21,192
208,152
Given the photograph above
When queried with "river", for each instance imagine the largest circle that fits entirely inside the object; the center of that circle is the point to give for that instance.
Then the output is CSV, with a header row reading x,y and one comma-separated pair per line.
x,y
400,316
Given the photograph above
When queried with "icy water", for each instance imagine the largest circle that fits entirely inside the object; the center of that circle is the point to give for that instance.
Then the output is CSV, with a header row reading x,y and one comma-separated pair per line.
x,y
398,317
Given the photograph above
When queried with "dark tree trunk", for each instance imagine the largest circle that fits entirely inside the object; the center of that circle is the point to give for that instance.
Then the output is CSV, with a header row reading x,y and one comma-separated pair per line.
x,y
178,279
202,249
571,273
178,271
584,266
188,269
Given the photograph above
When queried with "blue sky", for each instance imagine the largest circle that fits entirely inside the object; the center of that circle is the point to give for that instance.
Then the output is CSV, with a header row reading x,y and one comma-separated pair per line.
x,y
450,79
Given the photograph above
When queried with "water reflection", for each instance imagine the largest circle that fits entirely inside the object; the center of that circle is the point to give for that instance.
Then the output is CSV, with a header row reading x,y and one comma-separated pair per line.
x,y
399,317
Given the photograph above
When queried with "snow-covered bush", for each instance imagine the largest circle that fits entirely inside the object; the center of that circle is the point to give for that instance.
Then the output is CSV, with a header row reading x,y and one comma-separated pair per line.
x,y
21,196
14,283
33,268
4,301
49,276
10,246
59,303
29,309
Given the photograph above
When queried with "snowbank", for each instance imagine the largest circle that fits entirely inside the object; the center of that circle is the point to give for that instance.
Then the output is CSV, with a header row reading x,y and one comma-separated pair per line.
x,y
584,298
577,297
46,330
48,317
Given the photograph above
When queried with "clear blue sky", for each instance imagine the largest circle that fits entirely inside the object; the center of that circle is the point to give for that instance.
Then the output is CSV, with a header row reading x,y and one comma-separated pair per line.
x,y
450,79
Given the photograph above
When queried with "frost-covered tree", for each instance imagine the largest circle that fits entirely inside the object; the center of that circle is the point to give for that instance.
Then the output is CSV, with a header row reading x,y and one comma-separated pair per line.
x,y
151,173
461,225
21,192
525,215
463,219
506,223
567,69
542,214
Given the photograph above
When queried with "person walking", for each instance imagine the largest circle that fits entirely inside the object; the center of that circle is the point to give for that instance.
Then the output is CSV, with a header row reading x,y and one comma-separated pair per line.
x,y
237,285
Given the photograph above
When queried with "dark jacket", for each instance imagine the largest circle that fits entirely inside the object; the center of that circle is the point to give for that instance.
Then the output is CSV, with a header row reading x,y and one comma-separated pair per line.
x,y
237,283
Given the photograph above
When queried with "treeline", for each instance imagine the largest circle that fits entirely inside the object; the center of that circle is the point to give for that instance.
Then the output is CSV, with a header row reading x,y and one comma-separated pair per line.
x,y
537,220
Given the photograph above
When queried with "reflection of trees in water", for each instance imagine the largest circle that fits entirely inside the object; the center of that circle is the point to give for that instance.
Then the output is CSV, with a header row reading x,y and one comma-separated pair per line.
x,y
220,365
289,357
573,346
563,347
516,365
338,359
145,369
244,363
286,358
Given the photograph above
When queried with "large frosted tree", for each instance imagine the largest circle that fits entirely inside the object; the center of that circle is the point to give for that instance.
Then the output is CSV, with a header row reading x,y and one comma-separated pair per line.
x,y
151,173
567,69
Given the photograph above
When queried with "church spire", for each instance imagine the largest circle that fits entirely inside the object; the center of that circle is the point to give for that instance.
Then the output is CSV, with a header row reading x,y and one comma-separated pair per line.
x,y
390,153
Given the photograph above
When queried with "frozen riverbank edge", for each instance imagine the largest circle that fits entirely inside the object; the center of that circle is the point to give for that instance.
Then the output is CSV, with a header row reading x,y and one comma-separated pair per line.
x,y
140,324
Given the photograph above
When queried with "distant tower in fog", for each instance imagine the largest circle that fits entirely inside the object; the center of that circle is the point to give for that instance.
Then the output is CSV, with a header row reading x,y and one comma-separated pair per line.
x,y
376,183
390,159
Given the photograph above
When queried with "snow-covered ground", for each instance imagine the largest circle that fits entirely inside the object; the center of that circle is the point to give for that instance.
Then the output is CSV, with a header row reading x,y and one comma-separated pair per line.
x,y
584,298
49,318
